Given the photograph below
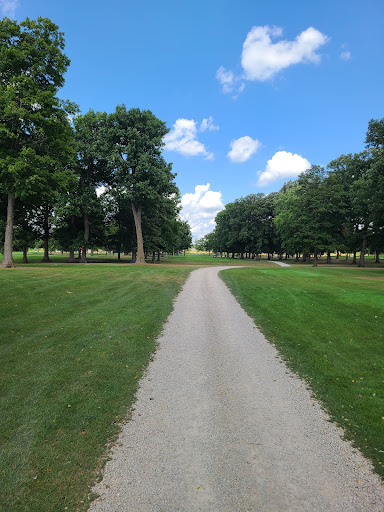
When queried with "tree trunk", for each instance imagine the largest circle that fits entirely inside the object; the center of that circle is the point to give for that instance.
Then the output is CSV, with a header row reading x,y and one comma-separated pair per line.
x,y
8,243
328,258
91,252
377,256
86,238
315,258
71,258
46,237
25,251
362,251
133,255
153,256
354,258
136,210
347,256
158,255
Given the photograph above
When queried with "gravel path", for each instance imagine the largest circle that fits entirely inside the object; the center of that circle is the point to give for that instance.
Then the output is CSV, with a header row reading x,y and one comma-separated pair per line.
x,y
221,425
281,263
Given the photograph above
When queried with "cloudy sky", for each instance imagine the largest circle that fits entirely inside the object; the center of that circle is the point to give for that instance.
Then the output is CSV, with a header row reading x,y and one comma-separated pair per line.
x,y
253,92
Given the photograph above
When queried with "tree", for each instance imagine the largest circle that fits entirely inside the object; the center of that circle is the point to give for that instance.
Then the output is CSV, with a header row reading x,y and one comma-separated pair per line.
x,y
136,141
306,218
182,235
354,174
36,141
92,169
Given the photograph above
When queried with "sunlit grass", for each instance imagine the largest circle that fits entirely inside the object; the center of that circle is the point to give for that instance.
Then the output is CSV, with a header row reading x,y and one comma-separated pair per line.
x,y
328,324
75,341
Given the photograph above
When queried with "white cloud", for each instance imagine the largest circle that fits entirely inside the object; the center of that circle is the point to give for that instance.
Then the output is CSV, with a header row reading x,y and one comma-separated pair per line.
x,y
262,59
226,78
229,81
283,165
243,148
200,209
207,124
8,7
345,55
183,139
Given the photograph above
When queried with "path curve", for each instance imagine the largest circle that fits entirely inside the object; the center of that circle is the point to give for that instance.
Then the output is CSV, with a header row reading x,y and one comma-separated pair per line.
x,y
221,425
281,263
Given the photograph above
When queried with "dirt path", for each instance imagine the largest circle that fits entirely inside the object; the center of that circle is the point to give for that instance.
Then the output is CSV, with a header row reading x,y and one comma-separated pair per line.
x,y
221,425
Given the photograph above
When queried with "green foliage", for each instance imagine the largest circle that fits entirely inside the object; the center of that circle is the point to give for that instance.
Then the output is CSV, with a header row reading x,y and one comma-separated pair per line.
x,y
36,142
136,139
246,225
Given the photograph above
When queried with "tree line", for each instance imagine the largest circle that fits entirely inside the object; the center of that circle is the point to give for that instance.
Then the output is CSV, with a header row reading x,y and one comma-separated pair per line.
x,y
337,209
87,181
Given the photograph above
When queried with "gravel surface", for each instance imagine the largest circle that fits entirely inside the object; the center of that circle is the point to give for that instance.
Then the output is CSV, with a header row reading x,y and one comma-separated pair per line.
x,y
281,263
221,425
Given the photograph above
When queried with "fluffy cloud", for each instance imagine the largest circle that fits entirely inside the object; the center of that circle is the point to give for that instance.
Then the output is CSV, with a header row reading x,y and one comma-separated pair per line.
x,y
8,7
243,148
183,139
207,124
262,59
283,165
200,209
226,78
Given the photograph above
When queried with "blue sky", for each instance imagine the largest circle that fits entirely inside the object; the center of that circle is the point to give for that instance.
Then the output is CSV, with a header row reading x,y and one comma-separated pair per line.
x,y
253,91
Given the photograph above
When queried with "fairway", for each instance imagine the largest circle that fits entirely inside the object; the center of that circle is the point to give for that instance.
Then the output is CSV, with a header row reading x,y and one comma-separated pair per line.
x,y
75,341
77,338
328,325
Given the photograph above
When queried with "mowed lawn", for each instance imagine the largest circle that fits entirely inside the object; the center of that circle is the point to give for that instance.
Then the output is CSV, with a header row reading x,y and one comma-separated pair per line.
x,y
75,340
328,324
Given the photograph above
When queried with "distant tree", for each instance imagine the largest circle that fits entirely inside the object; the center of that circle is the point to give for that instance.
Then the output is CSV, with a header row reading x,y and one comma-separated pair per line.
x,y
36,140
306,214
354,175
182,235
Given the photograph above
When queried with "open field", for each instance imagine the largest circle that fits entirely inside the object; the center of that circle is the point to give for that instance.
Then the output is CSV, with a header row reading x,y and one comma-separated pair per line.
x,y
198,259
75,340
328,324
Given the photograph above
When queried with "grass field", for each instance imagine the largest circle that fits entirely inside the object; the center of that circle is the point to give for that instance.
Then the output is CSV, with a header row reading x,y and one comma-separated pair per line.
x,y
75,340
328,324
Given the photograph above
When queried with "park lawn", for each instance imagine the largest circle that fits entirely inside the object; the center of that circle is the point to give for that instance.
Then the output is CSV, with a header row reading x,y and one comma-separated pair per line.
x,y
75,340
328,324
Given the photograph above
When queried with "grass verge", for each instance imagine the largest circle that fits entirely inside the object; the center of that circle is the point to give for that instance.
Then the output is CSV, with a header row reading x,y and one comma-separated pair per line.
x,y
328,325
75,340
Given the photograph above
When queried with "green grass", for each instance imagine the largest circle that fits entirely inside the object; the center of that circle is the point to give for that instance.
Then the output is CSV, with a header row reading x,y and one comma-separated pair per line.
x,y
75,340
328,325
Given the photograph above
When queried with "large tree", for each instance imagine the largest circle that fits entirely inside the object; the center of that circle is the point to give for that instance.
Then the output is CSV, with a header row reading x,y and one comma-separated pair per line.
x,y
35,134
136,139
92,169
